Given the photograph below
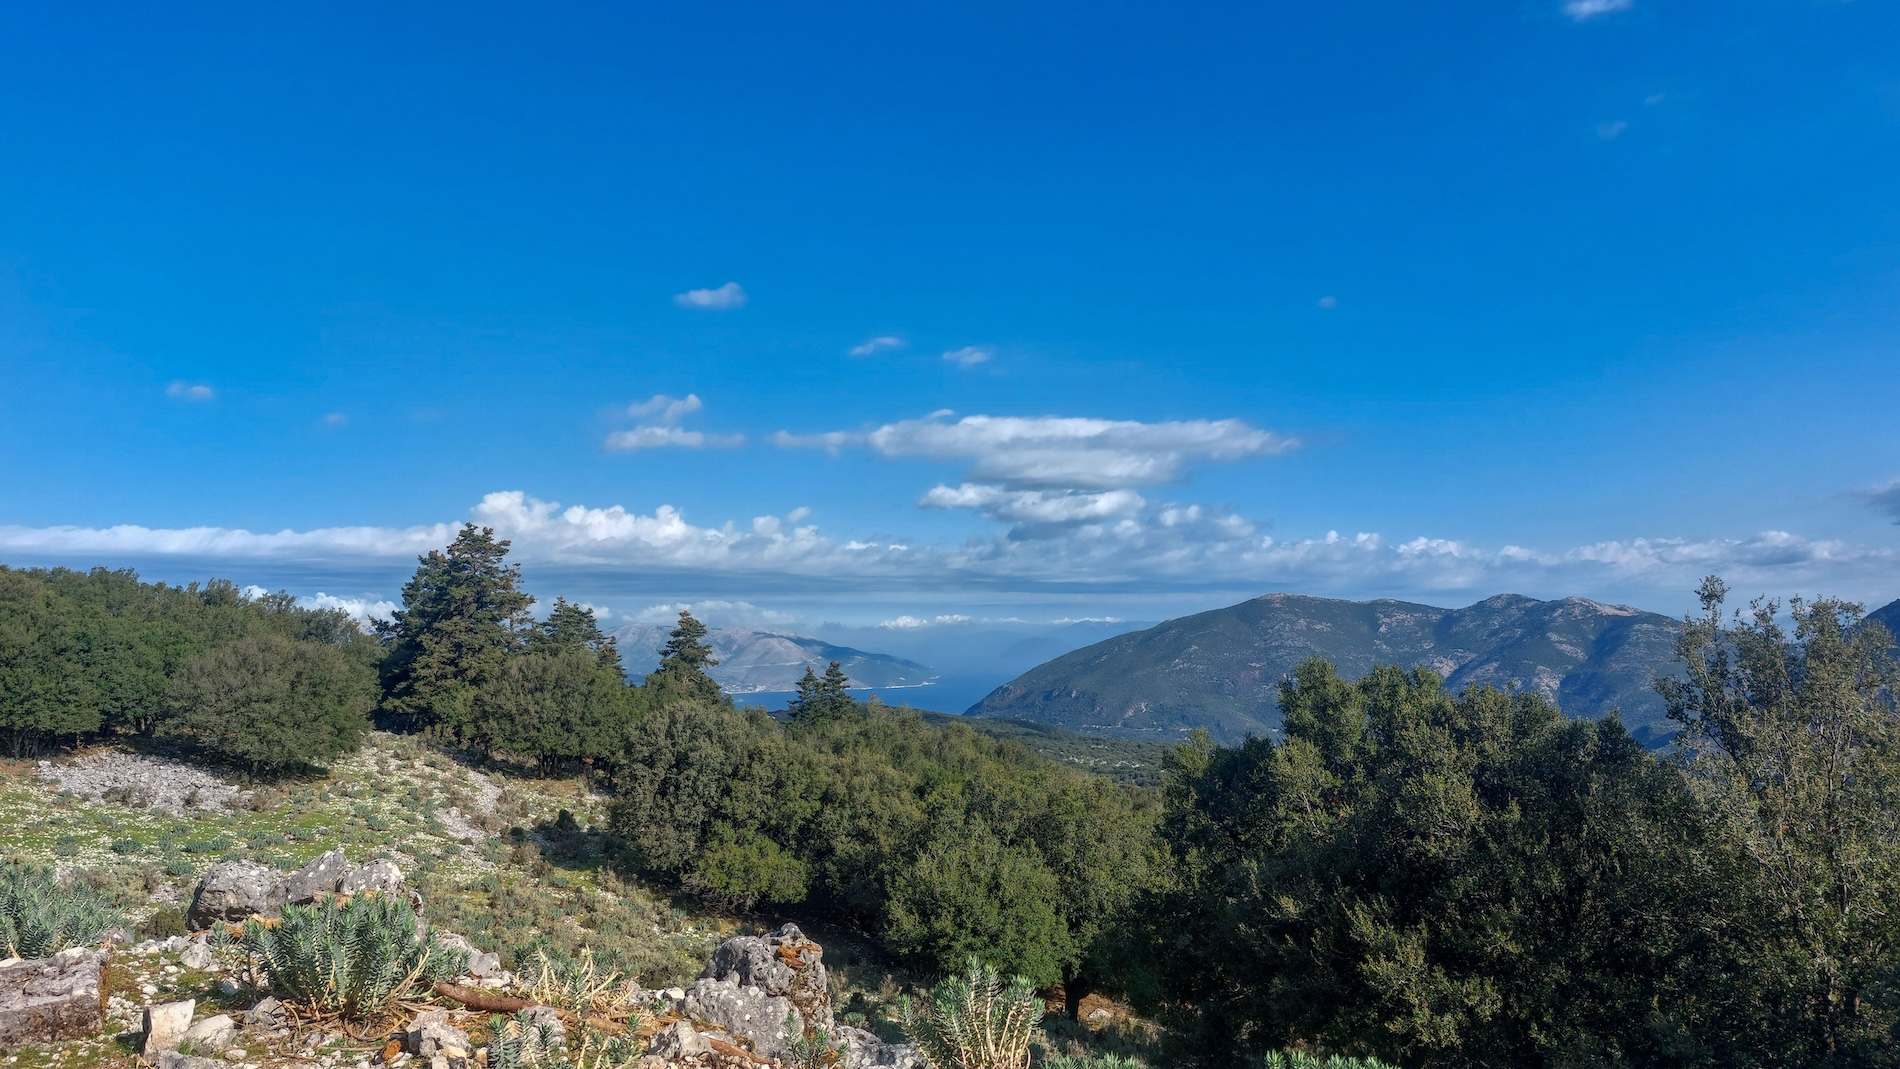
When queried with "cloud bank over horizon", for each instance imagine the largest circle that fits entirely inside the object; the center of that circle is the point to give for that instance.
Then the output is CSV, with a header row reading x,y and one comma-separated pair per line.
x,y
1176,548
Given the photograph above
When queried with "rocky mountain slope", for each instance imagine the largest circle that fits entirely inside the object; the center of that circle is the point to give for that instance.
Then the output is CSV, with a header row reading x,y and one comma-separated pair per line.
x,y
1888,616
755,661
1221,670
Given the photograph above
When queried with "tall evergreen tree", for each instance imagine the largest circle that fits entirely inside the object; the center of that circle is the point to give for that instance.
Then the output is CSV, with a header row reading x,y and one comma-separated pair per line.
x,y
685,661
572,626
463,613
826,697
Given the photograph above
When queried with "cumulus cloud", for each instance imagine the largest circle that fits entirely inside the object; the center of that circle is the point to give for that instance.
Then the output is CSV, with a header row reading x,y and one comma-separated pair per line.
x,y
970,355
1035,508
363,610
181,390
1045,471
882,343
1585,10
730,295
663,409
1884,499
664,414
1052,452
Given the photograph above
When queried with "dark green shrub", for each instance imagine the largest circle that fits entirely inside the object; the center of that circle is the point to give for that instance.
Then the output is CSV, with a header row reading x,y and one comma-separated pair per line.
x,y
179,866
162,924
125,846
66,846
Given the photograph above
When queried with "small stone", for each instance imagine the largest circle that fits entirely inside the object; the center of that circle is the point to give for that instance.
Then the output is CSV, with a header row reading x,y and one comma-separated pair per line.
x,y
228,987
165,1025
148,989
213,1032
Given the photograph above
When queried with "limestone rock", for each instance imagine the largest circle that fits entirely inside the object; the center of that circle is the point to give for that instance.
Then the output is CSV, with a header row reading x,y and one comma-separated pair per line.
x,y
213,1032
431,1033
864,1050
198,956
678,1040
232,891
165,1025
267,1016
171,1059
46,999
784,964
321,874
744,1012
481,966
383,876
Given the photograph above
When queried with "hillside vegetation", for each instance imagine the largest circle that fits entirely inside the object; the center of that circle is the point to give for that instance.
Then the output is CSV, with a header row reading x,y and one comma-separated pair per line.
x,y
1221,670
1410,872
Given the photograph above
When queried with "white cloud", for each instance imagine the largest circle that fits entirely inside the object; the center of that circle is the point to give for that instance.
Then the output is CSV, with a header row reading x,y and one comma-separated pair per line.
x,y
363,610
1167,547
181,390
970,355
665,413
911,623
1610,131
1585,10
655,437
1052,452
336,420
1329,301
664,409
1035,508
730,295
872,347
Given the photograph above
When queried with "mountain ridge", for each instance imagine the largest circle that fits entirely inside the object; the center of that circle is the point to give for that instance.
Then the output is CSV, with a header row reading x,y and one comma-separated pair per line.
x,y
1221,669
768,660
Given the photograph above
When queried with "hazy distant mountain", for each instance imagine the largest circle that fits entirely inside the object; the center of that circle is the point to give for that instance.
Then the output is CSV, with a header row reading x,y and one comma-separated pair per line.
x,y
1221,670
1888,616
974,657
753,661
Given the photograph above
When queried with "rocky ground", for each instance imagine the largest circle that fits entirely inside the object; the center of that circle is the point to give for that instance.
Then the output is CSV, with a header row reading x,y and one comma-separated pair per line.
x,y
510,863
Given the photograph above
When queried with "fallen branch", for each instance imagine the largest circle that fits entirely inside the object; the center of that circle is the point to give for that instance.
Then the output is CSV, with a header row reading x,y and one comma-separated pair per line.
x,y
477,999
724,1047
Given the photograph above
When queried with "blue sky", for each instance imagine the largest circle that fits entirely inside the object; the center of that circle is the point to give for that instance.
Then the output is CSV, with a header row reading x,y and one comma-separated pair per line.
x,y
1154,307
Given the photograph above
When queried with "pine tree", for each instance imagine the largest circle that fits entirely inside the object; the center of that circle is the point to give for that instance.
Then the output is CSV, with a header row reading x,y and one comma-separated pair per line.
x,y
571,626
463,613
824,697
684,663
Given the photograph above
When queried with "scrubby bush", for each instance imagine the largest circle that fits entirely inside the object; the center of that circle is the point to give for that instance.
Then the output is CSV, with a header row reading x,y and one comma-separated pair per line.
x,y
38,916
162,924
974,1021
354,959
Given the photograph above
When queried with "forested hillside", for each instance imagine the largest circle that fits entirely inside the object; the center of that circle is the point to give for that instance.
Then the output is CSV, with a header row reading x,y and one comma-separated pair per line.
x,y
1222,670
1429,874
